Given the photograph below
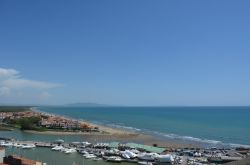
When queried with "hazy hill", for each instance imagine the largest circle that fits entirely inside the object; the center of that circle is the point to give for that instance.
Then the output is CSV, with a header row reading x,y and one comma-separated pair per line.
x,y
86,105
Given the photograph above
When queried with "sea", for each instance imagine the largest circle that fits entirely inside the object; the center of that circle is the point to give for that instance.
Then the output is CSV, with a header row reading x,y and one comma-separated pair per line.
x,y
203,125
206,126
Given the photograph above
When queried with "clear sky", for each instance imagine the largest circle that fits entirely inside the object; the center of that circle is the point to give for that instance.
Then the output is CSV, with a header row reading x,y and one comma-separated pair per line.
x,y
126,52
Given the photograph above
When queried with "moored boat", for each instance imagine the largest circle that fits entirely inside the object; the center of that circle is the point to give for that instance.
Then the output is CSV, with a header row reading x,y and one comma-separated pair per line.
x,y
89,156
57,148
147,156
17,145
114,159
6,144
145,163
69,150
28,146
165,158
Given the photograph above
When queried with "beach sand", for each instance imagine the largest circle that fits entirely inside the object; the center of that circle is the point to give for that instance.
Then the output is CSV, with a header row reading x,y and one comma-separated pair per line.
x,y
109,134
116,135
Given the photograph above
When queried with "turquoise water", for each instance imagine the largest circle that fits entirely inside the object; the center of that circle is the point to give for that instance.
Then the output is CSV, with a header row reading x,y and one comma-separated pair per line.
x,y
208,125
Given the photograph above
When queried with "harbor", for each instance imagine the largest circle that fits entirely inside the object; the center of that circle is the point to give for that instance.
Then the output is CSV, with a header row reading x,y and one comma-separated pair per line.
x,y
126,153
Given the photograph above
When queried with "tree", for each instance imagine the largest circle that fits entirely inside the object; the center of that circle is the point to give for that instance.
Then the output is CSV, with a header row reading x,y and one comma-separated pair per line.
x,y
29,123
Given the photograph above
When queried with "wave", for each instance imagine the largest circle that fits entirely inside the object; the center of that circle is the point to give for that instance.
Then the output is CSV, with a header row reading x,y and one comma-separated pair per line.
x,y
187,138
207,142
239,145
124,127
204,142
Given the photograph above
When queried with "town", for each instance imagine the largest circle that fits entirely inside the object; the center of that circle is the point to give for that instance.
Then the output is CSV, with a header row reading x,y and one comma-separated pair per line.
x,y
39,121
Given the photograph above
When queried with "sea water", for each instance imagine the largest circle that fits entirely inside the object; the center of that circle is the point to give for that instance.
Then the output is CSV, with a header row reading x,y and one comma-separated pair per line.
x,y
204,125
208,125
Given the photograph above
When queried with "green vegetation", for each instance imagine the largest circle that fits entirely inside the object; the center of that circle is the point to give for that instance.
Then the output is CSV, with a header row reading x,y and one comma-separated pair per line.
x,y
14,108
27,123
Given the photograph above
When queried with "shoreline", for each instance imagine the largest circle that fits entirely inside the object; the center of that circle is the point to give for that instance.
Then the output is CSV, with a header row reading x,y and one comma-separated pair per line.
x,y
120,133
103,129
121,138
112,134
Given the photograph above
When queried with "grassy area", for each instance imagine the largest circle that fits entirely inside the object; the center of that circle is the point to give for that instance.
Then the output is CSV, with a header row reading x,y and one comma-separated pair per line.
x,y
14,108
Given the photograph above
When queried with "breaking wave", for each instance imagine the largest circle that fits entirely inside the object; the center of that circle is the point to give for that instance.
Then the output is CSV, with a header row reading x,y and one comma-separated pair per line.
x,y
187,139
206,142
124,127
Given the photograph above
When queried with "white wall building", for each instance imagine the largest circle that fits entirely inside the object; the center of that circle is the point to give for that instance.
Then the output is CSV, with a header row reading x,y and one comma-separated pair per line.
x,y
2,154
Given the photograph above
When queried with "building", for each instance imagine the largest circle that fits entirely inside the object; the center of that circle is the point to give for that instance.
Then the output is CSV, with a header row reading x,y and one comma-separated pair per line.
x,y
15,160
2,154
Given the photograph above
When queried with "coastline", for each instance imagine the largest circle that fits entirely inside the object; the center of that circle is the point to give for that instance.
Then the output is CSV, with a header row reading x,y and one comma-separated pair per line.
x,y
103,129
122,138
180,134
112,134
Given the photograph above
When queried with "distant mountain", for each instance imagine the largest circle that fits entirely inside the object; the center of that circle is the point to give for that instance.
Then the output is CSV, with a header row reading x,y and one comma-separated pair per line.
x,y
86,105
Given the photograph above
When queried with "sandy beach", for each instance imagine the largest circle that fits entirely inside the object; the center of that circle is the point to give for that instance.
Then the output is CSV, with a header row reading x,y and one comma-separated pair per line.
x,y
96,132
123,138
114,134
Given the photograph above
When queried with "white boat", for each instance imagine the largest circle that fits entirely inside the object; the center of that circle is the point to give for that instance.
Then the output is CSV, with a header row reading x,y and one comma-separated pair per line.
x,y
147,156
28,146
89,156
69,151
57,148
197,154
102,145
114,159
85,143
145,163
165,158
6,144
126,156
129,154
96,159
63,149
17,145
84,152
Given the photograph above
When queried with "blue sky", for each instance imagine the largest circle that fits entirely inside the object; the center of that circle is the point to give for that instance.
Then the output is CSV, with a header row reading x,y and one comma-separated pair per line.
x,y
125,52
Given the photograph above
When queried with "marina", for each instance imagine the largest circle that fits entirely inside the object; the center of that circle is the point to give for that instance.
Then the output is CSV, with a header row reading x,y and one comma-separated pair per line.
x,y
115,152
